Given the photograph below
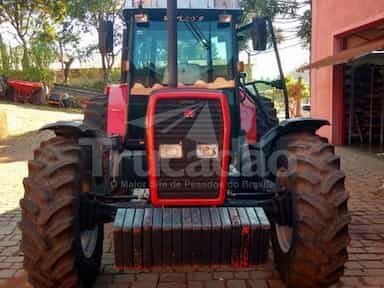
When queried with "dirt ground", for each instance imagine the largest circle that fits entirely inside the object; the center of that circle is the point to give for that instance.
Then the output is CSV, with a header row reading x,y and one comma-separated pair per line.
x,y
23,123
365,182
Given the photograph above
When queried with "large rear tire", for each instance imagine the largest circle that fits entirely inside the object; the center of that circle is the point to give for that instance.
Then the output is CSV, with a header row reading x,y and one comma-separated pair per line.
x,y
56,252
312,252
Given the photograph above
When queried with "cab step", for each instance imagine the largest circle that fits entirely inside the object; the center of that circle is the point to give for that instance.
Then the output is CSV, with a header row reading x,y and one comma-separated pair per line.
x,y
168,237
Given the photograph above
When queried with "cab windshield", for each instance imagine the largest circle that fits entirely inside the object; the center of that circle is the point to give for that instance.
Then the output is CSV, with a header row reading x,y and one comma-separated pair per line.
x,y
205,53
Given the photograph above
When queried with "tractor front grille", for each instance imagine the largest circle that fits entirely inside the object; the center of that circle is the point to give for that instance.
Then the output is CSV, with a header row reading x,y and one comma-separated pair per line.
x,y
188,122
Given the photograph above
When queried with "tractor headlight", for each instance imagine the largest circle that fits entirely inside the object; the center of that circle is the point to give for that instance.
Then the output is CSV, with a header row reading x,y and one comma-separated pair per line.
x,y
207,151
171,151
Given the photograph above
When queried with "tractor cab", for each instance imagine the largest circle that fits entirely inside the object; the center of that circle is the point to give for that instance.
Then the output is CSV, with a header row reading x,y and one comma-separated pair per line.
x,y
205,54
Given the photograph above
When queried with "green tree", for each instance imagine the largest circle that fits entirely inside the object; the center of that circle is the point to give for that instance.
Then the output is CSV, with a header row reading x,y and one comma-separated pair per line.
x,y
269,8
5,59
29,16
19,14
51,22
291,83
67,42
42,55
69,29
305,30
92,13
287,9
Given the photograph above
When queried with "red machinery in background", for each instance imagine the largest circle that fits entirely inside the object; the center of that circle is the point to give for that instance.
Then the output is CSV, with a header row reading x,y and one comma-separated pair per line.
x,y
25,91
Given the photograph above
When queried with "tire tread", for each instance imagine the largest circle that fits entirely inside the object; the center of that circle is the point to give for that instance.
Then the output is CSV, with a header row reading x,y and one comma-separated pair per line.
x,y
316,259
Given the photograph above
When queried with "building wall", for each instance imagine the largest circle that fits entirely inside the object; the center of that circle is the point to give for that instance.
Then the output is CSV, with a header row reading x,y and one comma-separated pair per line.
x,y
332,21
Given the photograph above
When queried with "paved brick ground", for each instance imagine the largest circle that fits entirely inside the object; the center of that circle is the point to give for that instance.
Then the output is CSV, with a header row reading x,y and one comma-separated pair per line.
x,y
365,268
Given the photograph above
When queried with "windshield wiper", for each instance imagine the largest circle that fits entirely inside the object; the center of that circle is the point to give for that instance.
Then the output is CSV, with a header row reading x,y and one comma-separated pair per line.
x,y
206,43
199,36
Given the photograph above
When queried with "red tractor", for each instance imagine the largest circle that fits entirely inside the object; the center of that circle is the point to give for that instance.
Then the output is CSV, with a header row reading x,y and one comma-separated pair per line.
x,y
187,161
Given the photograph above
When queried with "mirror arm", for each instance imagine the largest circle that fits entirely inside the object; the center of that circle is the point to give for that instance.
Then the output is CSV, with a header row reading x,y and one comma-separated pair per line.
x,y
282,77
243,28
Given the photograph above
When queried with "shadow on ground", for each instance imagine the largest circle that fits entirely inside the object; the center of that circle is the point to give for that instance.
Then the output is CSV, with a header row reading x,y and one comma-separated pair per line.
x,y
19,148
365,267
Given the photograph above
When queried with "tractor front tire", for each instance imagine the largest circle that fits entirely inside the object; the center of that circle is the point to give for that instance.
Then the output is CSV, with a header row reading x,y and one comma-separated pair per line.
x,y
55,254
313,251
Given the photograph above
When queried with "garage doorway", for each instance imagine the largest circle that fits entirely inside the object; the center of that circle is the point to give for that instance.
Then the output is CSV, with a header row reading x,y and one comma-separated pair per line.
x,y
364,92
364,102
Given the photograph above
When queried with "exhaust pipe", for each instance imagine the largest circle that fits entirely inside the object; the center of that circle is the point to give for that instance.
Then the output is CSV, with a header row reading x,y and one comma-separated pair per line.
x,y
172,42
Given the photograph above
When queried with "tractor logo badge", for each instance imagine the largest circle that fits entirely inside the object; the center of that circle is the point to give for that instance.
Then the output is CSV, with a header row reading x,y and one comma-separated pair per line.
x,y
189,114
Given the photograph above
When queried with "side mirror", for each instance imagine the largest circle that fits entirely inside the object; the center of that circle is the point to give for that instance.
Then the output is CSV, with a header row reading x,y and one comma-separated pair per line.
x,y
106,37
259,34
307,107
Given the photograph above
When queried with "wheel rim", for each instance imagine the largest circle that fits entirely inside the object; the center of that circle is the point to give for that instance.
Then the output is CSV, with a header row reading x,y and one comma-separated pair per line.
x,y
89,241
284,237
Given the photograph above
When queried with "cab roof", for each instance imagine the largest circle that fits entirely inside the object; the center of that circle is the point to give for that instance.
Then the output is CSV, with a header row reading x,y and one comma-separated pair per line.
x,y
184,4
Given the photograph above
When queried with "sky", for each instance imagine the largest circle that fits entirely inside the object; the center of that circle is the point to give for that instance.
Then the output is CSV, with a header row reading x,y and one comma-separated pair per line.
x,y
293,54
265,65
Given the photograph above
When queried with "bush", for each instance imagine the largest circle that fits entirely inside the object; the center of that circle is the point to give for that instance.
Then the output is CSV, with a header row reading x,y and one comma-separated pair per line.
x,y
41,55
87,83
92,78
115,76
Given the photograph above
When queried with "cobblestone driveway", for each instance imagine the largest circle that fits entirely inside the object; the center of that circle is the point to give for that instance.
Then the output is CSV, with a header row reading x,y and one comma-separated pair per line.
x,y
365,181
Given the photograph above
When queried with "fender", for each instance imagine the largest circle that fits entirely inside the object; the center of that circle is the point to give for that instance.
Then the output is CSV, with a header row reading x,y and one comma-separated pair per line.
x,y
290,126
293,126
268,141
118,99
73,129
